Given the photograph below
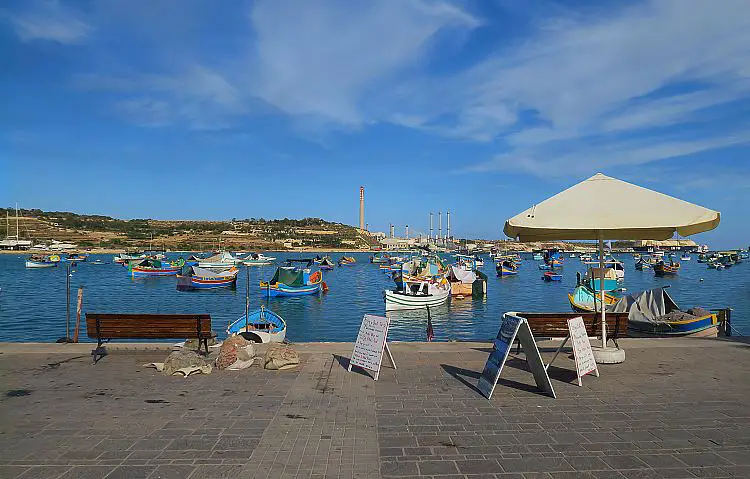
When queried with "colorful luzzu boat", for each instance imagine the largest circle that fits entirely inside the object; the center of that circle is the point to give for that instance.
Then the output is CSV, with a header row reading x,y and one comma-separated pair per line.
x,y
153,267
326,263
193,277
506,267
347,261
42,261
582,300
293,281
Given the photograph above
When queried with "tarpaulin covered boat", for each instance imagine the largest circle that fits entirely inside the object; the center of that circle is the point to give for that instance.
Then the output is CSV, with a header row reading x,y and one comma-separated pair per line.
x,y
654,313
293,281
194,277
466,283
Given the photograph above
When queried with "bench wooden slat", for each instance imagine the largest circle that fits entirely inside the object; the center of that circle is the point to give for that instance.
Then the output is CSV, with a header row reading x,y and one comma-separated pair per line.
x,y
554,325
147,326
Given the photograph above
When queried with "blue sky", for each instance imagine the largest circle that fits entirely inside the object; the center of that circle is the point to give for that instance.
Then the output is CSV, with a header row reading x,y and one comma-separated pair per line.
x,y
275,108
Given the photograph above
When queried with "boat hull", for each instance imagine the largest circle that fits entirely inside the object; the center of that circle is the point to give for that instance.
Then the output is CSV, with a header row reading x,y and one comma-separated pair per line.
x,y
40,264
705,326
145,272
263,326
188,283
396,300
278,290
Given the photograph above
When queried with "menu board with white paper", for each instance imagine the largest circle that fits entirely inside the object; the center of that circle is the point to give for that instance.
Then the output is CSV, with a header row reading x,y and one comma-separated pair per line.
x,y
582,353
371,343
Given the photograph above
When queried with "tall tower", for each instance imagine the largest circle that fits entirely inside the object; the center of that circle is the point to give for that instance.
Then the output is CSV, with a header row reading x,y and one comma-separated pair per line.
x,y
392,230
431,230
448,225
407,231
362,208
440,224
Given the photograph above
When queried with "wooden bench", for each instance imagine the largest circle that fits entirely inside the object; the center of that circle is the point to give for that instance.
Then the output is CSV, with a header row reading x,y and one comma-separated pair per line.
x,y
104,327
555,325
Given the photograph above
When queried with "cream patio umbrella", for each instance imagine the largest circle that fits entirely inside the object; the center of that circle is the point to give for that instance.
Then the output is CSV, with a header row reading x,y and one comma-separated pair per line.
x,y
604,208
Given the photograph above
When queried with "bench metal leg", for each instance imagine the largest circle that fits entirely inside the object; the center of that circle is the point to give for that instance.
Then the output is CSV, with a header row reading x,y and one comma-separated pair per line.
x,y
99,352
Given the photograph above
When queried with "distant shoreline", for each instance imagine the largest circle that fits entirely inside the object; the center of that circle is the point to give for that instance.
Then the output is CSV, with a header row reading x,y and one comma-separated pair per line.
x,y
119,251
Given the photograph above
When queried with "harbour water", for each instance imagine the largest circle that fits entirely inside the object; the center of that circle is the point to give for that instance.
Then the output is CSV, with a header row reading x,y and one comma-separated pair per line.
x,y
33,303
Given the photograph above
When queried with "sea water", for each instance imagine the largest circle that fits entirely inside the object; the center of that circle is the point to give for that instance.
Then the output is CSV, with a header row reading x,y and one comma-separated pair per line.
x,y
33,302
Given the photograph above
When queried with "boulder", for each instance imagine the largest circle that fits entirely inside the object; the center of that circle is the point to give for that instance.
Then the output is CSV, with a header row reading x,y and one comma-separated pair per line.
x,y
185,360
233,349
280,357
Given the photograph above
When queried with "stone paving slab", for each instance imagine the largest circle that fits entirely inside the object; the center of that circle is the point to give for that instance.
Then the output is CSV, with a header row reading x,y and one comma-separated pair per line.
x,y
681,410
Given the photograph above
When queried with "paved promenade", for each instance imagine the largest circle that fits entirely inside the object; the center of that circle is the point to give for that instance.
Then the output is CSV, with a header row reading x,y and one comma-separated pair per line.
x,y
676,408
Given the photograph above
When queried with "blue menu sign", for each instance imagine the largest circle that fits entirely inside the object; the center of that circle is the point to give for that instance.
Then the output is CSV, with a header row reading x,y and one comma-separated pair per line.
x,y
511,328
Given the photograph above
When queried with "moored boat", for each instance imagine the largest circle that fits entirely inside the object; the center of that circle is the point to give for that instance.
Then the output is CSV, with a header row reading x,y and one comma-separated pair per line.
x,y
663,268
153,267
326,264
76,257
552,276
347,261
466,283
642,264
218,260
40,261
194,277
592,279
290,280
506,267
654,313
584,300
421,282
257,259
261,326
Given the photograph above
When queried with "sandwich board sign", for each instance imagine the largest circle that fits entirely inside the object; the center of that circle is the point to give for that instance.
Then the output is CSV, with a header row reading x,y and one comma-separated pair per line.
x,y
371,342
513,327
584,357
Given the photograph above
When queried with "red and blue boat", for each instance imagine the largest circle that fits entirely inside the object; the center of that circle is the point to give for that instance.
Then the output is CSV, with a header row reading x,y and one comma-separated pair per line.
x,y
194,278
552,276
153,267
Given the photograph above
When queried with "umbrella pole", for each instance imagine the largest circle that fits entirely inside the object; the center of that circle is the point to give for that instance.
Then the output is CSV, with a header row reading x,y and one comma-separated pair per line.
x,y
601,291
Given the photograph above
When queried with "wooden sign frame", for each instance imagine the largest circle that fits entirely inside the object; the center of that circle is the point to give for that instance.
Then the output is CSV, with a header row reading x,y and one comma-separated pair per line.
x,y
513,327
381,345
582,353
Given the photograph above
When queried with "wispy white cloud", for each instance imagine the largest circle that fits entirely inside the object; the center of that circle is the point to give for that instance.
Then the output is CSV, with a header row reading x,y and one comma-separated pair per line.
x,y
322,58
48,20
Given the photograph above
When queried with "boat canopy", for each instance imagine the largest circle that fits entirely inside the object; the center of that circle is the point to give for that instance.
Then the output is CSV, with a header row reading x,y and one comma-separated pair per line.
x,y
207,273
459,274
647,306
289,277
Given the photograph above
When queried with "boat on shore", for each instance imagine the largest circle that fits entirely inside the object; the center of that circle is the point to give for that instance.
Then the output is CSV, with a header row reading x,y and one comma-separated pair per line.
x,y
195,278
39,261
291,280
261,326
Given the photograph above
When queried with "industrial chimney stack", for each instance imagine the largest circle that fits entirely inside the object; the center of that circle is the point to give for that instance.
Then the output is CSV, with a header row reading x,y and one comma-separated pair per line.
x,y
431,229
407,231
440,224
448,225
392,230
362,208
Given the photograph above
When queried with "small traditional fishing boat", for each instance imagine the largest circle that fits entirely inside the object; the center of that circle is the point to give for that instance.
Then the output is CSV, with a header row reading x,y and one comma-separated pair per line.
x,y
40,261
545,267
654,313
538,256
417,293
685,257
290,280
76,257
666,269
506,267
152,267
478,261
636,256
326,264
219,260
642,264
379,258
97,261
552,276
347,261
261,326
466,283
194,277
584,300
257,259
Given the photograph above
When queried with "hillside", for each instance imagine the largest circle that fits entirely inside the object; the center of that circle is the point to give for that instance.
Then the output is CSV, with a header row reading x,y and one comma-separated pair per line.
x,y
182,235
